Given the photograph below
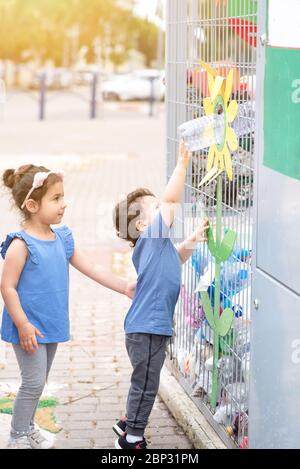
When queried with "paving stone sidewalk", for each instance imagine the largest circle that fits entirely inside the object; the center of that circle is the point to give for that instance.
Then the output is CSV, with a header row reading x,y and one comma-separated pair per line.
x,y
90,375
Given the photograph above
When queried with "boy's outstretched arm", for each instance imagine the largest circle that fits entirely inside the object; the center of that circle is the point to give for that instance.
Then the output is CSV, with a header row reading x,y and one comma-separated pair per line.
x,y
186,248
173,192
87,267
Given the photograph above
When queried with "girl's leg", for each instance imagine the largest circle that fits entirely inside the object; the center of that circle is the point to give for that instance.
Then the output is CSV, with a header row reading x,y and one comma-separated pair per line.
x,y
51,351
33,368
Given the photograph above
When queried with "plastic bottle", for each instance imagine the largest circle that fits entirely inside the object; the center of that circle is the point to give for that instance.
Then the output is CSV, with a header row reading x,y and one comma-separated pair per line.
x,y
222,415
236,395
205,131
202,132
232,282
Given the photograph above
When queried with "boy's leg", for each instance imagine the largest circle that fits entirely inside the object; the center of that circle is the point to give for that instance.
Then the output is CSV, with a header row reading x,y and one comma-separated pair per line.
x,y
147,354
33,368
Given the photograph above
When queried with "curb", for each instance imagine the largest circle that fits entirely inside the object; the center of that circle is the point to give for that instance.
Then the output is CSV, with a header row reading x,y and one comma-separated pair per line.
x,y
187,414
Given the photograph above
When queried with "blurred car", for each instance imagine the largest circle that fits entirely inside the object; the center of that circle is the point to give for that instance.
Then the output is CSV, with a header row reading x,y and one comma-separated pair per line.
x,y
85,75
56,79
134,86
197,78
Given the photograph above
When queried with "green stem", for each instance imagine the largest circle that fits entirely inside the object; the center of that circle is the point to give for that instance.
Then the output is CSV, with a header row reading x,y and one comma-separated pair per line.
x,y
214,393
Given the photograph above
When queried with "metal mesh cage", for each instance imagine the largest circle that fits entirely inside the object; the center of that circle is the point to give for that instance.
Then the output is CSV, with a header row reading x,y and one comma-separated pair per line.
x,y
223,34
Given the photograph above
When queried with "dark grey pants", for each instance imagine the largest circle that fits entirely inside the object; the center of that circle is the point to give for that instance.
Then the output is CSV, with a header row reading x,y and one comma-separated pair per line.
x,y
147,354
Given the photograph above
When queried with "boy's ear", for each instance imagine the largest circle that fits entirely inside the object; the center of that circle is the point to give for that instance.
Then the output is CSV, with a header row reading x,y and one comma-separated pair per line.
x,y
32,206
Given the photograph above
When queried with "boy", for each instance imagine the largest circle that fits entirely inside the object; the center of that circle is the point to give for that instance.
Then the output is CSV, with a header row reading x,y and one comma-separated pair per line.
x,y
145,221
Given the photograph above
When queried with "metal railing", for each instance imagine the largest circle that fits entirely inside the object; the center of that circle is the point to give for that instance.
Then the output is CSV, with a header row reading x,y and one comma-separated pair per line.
x,y
221,33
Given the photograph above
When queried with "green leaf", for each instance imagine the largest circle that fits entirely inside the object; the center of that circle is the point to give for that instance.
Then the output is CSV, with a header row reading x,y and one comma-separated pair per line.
x,y
226,248
223,251
224,322
207,309
211,242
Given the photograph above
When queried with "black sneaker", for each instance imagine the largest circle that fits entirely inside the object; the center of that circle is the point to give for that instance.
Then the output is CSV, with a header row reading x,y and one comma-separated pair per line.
x,y
122,443
120,427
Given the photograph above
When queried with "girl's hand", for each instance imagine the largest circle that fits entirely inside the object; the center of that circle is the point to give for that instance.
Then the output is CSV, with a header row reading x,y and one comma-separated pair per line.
x,y
200,234
130,289
184,155
27,334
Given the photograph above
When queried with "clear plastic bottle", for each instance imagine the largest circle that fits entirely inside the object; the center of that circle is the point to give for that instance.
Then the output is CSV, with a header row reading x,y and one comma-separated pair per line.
x,y
205,131
202,132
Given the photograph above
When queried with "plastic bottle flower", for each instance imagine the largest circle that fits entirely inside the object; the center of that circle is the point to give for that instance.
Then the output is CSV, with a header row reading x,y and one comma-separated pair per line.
x,y
219,157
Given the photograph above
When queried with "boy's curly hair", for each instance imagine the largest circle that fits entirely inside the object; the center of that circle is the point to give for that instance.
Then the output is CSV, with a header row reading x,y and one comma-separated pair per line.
x,y
126,213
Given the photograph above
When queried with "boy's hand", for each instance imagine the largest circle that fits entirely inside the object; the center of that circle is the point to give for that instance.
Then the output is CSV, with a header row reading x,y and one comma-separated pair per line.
x,y
130,289
184,155
200,234
27,334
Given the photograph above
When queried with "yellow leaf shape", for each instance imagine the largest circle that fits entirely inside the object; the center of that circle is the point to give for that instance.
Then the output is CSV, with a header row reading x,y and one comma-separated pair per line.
x,y
211,83
231,139
218,82
208,106
232,111
210,158
228,86
213,172
209,70
221,164
228,163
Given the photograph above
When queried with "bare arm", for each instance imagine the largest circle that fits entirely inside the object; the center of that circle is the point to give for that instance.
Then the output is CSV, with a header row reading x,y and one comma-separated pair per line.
x,y
14,263
186,248
173,192
80,262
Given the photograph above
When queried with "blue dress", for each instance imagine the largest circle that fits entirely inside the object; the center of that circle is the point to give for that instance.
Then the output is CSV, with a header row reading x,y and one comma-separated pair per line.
x,y
43,287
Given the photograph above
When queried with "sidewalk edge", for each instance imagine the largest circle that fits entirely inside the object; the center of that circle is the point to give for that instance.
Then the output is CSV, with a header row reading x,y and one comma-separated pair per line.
x,y
186,413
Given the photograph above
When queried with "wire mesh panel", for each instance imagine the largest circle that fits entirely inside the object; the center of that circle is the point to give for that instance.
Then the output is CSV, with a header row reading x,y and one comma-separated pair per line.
x,y
210,42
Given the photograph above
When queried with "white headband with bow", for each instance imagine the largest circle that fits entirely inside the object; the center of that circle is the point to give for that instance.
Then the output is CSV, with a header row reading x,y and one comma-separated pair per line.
x,y
38,181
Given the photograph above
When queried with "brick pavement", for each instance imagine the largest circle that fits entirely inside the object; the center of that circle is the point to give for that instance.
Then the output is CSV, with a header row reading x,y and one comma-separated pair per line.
x,y
109,158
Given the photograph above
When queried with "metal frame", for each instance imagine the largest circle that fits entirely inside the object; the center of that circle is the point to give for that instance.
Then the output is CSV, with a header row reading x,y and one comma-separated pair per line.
x,y
200,30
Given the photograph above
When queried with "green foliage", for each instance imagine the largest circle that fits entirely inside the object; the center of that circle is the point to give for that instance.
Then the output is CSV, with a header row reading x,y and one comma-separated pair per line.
x,y
45,29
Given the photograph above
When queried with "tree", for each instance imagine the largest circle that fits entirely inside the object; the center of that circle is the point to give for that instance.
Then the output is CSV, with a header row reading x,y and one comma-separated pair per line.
x,y
45,29
147,39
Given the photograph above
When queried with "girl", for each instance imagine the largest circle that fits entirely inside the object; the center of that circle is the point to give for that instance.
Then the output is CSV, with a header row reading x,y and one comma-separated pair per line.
x,y
35,288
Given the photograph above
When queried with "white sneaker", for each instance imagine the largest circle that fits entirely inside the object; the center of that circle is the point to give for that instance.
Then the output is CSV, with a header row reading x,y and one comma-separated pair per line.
x,y
18,443
38,441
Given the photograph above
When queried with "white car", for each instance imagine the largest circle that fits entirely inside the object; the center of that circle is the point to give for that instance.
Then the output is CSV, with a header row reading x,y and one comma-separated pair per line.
x,y
134,86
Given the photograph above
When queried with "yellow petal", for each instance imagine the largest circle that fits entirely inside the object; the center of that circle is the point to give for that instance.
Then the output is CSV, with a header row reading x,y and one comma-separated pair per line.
x,y
210,158
209,70
211,82
228,87
228,163
208,107
232,111
209,176
217,87
215,176
220,157
231,139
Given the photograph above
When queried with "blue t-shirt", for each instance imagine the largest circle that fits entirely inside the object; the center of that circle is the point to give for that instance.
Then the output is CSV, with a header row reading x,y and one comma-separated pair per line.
x,y
158,266
43,287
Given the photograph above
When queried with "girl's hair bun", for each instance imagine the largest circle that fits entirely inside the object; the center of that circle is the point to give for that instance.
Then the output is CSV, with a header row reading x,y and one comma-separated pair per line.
x,y
9,178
